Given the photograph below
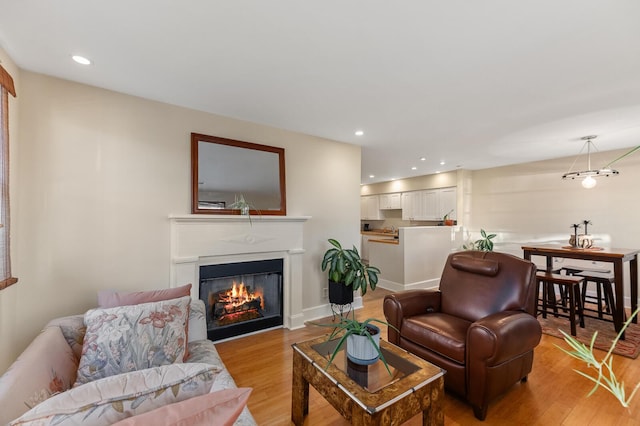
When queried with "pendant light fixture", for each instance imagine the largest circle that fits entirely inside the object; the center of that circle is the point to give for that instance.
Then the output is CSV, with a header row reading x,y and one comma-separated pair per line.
x,y
588,176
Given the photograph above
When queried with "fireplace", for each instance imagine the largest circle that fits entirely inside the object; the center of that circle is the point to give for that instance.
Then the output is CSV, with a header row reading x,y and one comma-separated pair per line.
x,y
205,240
242,297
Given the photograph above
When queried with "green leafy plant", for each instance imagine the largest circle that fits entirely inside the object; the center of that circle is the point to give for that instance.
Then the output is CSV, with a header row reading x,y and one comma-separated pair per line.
x,y
346,266
605,376
348,326
483,244
244,206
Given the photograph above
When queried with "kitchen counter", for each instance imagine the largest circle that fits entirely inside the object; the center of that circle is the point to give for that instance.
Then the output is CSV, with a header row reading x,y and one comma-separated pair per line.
x,y
380,233
384,240
416,259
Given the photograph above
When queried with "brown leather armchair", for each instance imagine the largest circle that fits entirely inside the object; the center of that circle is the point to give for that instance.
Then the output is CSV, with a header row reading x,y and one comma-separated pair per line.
x,y
479,326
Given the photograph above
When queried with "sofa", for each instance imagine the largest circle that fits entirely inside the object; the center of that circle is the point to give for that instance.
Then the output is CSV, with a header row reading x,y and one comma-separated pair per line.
x,y
51,381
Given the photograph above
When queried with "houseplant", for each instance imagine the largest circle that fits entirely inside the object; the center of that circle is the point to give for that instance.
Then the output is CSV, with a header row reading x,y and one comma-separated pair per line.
x,y
482,244
346,269
446,221
362,339
605,376
243,205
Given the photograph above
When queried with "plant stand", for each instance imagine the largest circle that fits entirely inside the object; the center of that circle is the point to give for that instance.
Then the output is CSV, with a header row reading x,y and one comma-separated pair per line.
x,y
341,298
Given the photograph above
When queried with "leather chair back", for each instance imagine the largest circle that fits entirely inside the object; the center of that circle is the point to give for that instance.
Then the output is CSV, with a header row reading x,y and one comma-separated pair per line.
x,y
475,284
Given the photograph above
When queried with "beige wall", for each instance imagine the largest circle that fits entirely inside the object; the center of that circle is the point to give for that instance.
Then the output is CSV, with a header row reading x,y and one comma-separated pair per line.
x,y
531,202
99,174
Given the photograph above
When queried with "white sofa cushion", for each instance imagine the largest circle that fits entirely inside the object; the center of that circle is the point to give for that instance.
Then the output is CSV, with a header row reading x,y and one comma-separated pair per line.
x,y
129,338
114,398
46,367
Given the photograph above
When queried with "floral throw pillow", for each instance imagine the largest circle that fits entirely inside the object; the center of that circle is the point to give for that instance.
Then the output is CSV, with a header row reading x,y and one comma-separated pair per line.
x,y
109,400
129,338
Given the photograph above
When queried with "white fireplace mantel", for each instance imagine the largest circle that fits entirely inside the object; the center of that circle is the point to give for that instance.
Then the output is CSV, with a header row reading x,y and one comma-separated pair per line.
x,y
198,240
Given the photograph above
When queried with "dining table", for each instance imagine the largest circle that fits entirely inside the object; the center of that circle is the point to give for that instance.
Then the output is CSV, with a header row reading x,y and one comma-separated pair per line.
x,y
616,256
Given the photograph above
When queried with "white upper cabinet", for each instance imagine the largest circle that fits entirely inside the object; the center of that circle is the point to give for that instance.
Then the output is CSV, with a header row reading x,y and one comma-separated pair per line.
x,y
414,205
390,201
448,202
370,207
430,204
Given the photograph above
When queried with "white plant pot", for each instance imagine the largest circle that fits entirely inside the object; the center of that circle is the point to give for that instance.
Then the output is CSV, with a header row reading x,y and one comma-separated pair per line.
x,y
360,349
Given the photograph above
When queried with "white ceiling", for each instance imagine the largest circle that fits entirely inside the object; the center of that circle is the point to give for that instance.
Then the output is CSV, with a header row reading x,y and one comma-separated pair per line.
x,y
473,83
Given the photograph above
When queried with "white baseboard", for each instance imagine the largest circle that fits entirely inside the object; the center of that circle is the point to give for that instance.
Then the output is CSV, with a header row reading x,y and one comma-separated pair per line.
x,y
394,286
323,311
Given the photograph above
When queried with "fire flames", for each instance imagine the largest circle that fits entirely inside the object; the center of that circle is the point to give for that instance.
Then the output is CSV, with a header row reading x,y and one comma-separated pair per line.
x,y
238,295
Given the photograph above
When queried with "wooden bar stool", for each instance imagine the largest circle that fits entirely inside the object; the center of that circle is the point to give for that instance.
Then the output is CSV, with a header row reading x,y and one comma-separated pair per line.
x,y
570,286
604,293
604,282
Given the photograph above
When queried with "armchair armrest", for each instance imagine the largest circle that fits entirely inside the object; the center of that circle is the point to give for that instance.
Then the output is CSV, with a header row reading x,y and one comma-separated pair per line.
x,y
502,336
408,303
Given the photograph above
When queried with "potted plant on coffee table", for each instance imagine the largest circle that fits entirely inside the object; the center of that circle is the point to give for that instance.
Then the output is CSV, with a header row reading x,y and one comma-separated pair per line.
x,y
361,337
347,273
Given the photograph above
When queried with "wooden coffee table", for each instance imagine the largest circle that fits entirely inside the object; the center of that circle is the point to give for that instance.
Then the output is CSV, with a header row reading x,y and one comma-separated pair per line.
x,y
367,395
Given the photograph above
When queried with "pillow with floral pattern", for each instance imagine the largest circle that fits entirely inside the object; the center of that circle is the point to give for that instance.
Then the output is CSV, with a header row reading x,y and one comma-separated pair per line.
x,y
135,337
111,399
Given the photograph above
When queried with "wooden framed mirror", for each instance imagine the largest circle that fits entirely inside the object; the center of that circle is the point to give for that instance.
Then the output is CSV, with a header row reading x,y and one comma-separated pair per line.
x,y
224,169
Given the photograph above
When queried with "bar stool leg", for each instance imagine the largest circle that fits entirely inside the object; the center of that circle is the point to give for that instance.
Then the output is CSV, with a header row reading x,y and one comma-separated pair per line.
x,y
580,306
572,312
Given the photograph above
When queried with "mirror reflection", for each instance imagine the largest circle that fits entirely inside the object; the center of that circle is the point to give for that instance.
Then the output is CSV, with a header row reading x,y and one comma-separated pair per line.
x,y
225,169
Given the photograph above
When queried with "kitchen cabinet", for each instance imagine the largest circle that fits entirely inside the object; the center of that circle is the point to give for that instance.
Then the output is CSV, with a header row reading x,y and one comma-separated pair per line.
x,y
390,201
448,201
428,204
431,205
411,202
419,205
370,207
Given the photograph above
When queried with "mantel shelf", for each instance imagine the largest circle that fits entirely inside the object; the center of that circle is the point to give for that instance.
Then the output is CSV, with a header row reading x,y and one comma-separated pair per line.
x,y
235,218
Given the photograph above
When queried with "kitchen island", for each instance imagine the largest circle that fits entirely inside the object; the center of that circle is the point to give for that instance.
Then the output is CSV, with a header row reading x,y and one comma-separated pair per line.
x,y
416,258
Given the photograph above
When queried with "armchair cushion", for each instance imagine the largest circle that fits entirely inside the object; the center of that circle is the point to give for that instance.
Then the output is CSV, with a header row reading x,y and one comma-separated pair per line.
x,y
441,333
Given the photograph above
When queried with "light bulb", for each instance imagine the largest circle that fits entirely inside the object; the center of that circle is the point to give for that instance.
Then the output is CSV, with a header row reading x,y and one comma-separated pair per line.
x,y
588,182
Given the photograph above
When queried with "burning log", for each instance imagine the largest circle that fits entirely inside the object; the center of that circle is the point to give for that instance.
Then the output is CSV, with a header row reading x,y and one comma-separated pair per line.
x,y
235,305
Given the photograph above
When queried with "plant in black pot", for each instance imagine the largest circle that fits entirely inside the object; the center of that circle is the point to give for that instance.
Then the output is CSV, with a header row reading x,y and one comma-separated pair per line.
x,y
347,273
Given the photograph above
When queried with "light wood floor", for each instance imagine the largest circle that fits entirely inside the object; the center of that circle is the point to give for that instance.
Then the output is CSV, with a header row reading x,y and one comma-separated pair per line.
x,y
553,395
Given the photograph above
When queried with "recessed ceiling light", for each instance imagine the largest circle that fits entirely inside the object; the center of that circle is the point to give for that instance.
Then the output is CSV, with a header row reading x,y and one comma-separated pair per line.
x,y
442,163
81,60
414,168
359,133
437,171
372,176
423,158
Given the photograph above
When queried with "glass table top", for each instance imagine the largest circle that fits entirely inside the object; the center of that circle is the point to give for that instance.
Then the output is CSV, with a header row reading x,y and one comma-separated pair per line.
x,y
371,377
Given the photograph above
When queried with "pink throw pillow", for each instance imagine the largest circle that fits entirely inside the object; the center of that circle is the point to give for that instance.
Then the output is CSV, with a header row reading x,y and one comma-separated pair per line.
x,y
111,299
216,408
